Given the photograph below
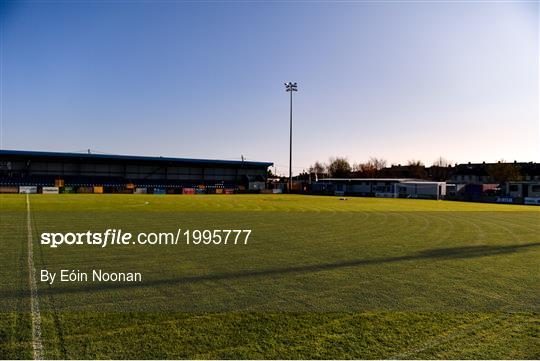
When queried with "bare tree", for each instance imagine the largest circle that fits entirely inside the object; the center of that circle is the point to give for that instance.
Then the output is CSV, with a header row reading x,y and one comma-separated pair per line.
x,y
317,169
415,163
377,163
339,167
365,170
441,169
372,168
442,162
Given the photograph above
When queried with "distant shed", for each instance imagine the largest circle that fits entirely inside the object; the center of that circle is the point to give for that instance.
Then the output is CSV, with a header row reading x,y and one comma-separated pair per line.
x,y
381,187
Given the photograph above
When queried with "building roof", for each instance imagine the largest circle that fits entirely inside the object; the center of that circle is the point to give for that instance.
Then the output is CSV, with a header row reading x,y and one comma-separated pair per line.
x,y
397,180
115,157
368,179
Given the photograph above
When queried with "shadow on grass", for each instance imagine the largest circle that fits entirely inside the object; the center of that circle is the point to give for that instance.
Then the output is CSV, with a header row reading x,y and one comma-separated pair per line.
x,y
433,254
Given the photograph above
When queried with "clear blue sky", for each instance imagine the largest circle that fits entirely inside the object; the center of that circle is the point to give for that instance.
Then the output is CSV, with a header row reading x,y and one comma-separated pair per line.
x,y
394,80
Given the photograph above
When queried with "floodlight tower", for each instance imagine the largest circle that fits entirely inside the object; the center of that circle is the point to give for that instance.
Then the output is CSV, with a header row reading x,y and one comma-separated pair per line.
x,y
290,87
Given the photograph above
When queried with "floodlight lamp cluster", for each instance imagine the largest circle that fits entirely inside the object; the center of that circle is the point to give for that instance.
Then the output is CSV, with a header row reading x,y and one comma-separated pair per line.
x,y
291,87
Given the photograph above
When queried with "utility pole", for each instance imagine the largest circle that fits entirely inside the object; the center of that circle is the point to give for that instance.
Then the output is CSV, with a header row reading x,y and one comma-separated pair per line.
x,y
290,87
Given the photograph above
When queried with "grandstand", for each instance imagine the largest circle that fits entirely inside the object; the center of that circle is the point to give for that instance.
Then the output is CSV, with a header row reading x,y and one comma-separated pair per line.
x,y
118,172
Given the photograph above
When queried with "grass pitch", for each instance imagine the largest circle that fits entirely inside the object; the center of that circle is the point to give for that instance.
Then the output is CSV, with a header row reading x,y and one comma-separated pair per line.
x,y
319,278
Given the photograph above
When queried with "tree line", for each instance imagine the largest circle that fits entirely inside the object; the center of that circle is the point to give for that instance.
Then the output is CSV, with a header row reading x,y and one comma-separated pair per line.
x,y
440,170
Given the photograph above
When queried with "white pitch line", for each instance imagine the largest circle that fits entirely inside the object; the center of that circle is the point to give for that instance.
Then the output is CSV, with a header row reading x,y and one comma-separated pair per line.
x,y
34,301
